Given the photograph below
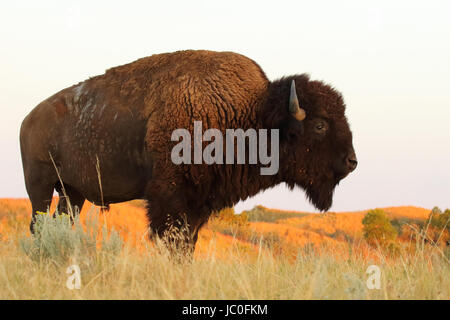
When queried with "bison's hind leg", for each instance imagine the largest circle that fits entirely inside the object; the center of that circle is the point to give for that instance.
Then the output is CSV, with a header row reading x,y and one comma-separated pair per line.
x,y
40,182
70,200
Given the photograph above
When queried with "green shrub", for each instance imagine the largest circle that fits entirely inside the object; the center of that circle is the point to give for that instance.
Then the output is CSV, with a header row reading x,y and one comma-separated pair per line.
x,y
439,226
57,240
439,219
227,222
377,228
228,215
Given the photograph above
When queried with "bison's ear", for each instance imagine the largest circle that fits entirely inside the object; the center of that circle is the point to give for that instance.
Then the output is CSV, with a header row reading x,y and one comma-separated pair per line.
x,y
294,106
283,110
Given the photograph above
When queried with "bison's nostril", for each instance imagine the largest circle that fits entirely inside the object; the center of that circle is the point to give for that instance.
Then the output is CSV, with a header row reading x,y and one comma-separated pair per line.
x,y
352,163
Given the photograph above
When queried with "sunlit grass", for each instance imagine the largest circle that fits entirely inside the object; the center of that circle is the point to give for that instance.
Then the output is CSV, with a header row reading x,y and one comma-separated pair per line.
x,y
233,260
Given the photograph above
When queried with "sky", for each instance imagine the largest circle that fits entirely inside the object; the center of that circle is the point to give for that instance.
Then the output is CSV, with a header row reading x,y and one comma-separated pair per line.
x,y
390,60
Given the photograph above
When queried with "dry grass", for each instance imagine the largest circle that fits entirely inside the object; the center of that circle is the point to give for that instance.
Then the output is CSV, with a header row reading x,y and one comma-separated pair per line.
x,y
281,260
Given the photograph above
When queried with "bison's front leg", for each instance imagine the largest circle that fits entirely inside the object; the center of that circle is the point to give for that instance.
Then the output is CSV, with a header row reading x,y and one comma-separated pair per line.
x,y
174,224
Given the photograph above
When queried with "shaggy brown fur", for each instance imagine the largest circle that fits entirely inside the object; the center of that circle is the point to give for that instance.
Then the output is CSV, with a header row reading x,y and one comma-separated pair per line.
x,y
123,121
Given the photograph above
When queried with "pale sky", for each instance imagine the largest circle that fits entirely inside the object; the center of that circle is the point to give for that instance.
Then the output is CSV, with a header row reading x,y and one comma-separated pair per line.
x,y
390,59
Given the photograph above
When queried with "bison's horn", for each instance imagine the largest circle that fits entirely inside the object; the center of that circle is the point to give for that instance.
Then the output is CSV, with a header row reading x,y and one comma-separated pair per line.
x,y
294,106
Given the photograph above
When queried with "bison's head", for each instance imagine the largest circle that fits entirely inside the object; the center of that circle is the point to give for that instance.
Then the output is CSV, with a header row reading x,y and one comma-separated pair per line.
x,y
316,149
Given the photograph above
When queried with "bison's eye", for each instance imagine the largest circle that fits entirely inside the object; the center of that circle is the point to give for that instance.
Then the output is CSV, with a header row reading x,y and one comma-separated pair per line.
x,y
320,127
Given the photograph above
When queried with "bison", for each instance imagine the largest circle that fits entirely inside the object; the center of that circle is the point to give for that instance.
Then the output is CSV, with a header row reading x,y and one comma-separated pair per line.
x,y
108,139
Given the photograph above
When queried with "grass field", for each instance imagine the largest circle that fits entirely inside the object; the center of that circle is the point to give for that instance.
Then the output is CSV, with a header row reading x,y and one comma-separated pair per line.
x,y
271,254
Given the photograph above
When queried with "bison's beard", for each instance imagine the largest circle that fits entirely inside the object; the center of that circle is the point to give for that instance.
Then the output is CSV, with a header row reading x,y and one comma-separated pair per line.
x,y
321,195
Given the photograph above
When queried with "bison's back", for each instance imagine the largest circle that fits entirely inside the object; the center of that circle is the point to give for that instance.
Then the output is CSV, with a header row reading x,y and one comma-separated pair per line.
x,y
124,118
221,89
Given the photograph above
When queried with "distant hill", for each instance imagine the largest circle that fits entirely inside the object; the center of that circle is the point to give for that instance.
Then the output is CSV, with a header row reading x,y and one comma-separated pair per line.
x,y
296,228
305,227
261,213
